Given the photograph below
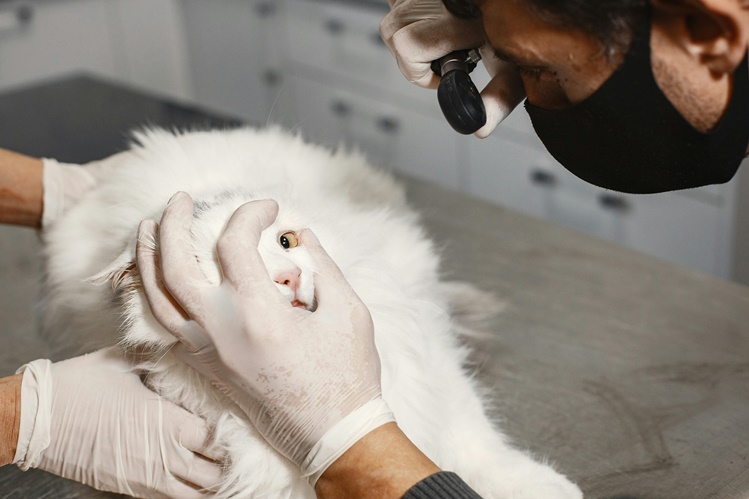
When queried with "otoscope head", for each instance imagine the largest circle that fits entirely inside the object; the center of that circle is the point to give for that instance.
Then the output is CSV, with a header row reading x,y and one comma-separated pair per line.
x,y
458,97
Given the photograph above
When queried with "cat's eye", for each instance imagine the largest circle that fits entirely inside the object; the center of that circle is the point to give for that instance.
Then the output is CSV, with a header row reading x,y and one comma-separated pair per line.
x,y
288,240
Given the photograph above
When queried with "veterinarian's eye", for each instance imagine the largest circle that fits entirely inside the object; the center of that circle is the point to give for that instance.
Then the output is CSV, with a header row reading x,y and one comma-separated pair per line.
x,y
288,240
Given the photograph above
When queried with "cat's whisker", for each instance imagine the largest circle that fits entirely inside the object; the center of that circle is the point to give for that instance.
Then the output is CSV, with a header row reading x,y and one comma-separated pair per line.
x,y
273,106
295,126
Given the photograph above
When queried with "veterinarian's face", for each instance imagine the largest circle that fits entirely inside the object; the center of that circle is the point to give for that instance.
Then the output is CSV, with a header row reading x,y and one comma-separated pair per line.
x,y
562,66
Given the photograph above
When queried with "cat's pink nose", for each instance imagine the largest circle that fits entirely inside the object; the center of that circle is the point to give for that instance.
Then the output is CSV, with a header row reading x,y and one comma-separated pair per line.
x,y
289,278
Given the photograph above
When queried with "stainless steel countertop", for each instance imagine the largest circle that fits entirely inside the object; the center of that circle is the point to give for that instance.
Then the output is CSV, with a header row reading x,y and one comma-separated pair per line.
x,y
629,373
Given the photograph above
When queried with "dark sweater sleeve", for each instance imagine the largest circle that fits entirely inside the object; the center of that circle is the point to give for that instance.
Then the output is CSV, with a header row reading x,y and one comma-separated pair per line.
x,y
442,485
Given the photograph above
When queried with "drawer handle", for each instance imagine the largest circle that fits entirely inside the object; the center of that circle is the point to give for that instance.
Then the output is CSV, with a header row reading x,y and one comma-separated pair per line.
x,y
614,203
265,9
11,20
340,108
388,125
271,77
543,178
334,26
376,39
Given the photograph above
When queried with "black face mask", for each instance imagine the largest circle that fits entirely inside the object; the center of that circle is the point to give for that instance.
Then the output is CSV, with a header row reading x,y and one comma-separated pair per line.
x,y
628,137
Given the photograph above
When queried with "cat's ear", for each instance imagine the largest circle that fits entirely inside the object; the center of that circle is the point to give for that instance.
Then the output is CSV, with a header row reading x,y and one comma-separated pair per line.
x,y
122,272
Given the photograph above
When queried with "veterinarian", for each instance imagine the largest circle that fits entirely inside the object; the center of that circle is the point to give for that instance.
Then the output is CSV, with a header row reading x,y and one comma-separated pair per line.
x,y
90,418
639,96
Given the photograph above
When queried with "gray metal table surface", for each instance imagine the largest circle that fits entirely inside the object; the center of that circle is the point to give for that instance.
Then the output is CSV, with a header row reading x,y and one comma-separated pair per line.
x,y
630,374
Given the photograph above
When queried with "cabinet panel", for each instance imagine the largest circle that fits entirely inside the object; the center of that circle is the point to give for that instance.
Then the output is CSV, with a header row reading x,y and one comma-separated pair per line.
x,y
391,136
151,48
503,172
675,228
58,38
341,39
235,57
671,226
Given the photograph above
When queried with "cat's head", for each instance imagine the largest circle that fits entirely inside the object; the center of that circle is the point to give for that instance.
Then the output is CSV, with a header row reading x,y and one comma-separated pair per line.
x,y
288,263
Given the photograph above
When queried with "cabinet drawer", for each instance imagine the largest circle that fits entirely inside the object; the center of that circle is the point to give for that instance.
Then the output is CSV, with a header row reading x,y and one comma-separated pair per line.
x,y
57,38
508,173
390,135
671,226
235,57
341,39
675,228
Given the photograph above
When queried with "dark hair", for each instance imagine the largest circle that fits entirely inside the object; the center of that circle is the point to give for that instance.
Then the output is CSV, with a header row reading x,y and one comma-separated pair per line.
x,y
611,22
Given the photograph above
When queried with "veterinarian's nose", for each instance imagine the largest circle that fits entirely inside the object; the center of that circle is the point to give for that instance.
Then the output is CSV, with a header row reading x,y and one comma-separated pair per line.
x,y
289,278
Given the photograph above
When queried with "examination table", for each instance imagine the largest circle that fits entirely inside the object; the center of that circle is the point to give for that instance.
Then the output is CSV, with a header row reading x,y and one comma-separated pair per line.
x,y
629,374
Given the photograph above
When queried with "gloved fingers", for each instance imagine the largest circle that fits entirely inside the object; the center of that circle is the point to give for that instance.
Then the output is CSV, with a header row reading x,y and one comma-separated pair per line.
x,y
332,290
201,473
163,307
408,12
417,44
502,94
177,488
180,271
241,264
196,435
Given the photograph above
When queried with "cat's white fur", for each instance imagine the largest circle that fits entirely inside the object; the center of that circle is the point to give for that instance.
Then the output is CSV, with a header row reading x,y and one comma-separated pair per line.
x,y
361,217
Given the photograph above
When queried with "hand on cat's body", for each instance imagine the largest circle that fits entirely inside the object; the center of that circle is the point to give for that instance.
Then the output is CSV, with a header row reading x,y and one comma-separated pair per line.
x,y
309,381
92,420
418,32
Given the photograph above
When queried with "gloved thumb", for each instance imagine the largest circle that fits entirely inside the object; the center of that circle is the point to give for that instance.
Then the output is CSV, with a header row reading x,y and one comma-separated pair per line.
x,y
332,290
502,94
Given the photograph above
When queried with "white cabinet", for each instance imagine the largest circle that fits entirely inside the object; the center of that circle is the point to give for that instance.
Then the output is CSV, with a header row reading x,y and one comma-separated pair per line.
x,y
690,228
236,57
138,42
41,40
348,90
509,173
391,136
150,45
344,40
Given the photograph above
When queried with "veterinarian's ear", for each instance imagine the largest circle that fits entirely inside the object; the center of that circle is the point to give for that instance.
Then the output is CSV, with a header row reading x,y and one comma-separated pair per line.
x,y
714,32
122,272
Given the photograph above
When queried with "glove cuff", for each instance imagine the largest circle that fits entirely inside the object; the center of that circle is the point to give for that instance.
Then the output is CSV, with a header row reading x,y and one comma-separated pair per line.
x,y
36,413
63,185
53,193
343,435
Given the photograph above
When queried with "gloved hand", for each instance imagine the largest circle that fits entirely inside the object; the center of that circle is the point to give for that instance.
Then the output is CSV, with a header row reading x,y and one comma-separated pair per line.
x,y
63,184
91,419
421,31
309,381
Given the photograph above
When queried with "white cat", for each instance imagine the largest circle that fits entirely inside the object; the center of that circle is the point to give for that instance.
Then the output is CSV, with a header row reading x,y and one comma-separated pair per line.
x,y
361,218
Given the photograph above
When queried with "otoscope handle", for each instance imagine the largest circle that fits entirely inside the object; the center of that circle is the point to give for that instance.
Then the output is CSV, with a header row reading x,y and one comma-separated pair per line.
x,y
458,97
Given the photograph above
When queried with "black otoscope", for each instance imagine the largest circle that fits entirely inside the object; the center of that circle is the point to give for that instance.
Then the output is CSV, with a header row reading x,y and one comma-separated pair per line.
x,y
458,97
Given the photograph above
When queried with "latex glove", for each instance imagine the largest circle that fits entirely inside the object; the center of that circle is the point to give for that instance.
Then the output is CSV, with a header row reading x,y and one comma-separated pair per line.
x,y
63,184
91,419
309,381
421,31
